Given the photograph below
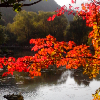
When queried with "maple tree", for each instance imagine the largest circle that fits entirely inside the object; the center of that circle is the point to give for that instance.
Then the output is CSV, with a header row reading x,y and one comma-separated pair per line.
x,y
49,52
90,12
52,52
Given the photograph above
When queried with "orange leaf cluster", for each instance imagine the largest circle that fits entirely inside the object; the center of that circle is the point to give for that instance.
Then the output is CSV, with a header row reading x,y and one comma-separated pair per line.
x,y
49,52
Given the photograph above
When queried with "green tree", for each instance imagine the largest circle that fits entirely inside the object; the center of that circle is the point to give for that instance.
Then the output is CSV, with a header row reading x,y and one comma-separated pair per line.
x,y
23,26
29,25
3,36
77,31
2,22
55,28
11,37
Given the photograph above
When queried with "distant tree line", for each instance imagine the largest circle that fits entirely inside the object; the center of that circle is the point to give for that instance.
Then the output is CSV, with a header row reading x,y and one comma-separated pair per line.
x,y
27,25
77,31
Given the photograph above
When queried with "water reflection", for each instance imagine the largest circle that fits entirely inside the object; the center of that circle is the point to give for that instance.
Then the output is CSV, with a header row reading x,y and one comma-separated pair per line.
x,y
63,77
60,85
79,78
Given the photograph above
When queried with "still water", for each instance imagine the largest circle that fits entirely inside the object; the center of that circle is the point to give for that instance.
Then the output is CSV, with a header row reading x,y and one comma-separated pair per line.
x,y
69,85
59,85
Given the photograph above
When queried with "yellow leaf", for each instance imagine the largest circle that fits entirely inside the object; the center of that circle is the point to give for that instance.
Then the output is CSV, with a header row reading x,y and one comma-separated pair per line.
x,y
53,53
9,67
39,70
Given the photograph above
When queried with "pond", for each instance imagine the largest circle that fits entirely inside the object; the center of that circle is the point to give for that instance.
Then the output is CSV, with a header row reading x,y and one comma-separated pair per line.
x,y
60,85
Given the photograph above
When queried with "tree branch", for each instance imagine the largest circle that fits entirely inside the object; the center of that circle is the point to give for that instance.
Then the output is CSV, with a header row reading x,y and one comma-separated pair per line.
x,y
6,4
32,3
83,57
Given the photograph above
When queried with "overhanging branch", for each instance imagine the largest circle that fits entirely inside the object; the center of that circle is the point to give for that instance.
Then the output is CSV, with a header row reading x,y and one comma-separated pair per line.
x,y
6,4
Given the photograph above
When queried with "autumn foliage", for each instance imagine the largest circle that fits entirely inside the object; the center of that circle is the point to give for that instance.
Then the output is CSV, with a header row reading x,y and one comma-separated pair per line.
x,y
49,51
91,66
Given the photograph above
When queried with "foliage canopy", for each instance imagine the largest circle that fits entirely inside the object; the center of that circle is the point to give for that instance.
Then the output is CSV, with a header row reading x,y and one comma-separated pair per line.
x,y
30,24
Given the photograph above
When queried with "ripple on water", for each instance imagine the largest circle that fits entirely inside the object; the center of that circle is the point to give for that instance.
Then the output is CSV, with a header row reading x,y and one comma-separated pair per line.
x,y
65,87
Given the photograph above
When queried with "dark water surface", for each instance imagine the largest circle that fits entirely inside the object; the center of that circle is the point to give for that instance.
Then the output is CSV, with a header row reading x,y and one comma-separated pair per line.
x,y
67,86
60,85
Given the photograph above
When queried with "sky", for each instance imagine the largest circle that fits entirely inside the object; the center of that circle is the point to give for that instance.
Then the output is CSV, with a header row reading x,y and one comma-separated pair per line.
x,y
67,2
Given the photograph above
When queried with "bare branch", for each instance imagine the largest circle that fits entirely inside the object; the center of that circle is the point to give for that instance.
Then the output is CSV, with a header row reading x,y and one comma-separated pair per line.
x,y
6,4
32,3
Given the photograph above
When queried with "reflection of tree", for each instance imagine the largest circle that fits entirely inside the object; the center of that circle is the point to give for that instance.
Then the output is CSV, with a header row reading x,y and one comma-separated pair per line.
x,y
49,76
79,77
64,77
5,81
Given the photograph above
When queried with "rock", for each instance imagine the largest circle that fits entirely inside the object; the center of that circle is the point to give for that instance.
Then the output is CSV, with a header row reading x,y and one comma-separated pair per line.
x,y
13,97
